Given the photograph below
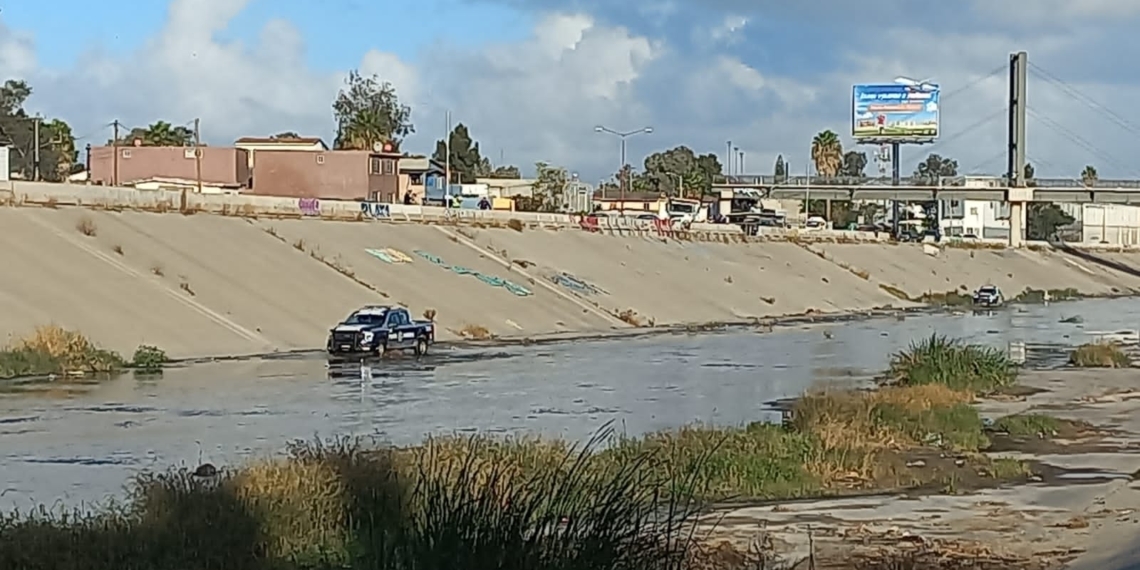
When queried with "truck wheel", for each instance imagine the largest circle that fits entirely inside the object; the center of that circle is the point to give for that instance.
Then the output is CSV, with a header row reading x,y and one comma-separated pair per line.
x,y
421,346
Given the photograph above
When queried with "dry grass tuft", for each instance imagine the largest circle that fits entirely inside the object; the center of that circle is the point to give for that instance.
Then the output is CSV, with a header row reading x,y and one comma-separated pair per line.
x,y
86,226
1100,355
475,332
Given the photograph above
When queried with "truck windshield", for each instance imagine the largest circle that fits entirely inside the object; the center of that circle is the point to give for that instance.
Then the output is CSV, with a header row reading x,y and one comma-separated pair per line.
x,y
366,319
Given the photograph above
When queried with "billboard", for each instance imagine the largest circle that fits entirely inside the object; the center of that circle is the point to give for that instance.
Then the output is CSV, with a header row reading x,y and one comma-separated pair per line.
x,y
893,112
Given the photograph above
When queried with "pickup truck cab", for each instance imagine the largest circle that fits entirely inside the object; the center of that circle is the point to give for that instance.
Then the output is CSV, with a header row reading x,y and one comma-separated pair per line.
x,y
378,329
988,296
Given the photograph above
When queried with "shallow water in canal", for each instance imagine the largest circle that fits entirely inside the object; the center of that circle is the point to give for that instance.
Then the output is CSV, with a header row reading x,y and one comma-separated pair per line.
x,y
81,442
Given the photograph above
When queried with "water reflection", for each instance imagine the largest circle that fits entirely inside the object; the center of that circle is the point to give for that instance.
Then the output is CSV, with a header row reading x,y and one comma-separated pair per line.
x,y
81,441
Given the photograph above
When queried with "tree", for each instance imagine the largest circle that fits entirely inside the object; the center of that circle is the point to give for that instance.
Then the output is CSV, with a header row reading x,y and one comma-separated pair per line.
x,y
680,171
159,133
854,163
56,142
63,141
780,170
508,171
285,136
931,170
1089,175
368,111
549,187
466,162
1044,219
13,94
827,153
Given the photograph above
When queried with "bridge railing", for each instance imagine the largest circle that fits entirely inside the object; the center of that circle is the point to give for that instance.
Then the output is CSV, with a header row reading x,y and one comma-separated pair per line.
x,y
943,182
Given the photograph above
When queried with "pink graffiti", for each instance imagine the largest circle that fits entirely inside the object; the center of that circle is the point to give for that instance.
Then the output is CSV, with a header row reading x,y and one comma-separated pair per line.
x,y
309,206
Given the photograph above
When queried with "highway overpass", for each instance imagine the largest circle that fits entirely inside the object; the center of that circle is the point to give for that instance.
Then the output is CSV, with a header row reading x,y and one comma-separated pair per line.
x,y
920,190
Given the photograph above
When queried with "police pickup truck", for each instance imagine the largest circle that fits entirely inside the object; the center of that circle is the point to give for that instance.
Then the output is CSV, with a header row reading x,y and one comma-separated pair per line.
x,y
379,329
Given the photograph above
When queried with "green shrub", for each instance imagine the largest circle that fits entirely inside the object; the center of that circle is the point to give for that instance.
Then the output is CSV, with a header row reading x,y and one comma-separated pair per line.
x,y
148,358
1029,425
959,366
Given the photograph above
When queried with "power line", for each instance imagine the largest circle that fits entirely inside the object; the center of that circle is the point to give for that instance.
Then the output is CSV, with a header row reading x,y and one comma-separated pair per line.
x,y
1085,100
1080,141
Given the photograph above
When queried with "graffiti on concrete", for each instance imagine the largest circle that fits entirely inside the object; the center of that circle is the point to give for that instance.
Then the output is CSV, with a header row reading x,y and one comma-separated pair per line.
x,y
309,206
576,285
514,288
375,210
389,255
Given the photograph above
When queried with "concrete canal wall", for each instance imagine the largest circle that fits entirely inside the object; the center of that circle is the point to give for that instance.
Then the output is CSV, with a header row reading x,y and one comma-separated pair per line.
x,y
212,285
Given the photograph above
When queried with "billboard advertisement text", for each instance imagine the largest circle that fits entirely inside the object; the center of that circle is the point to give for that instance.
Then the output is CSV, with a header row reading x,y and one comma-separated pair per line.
x,y
895,112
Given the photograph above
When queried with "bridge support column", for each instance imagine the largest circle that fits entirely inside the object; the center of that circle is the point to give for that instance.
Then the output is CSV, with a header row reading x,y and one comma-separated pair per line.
x,y
1016,231
1019,193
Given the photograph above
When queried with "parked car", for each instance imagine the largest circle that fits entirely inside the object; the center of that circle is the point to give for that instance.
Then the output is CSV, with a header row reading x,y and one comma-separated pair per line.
x,y
378,329
988,296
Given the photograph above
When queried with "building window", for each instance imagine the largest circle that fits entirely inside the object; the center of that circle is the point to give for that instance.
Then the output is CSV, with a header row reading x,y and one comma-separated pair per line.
x,y
645,206
389,166
126,153
320,159
374,165
416,178
973,211
955,203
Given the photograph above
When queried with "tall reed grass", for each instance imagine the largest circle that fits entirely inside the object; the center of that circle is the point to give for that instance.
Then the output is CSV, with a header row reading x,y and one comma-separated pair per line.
x,y
341,506
948,362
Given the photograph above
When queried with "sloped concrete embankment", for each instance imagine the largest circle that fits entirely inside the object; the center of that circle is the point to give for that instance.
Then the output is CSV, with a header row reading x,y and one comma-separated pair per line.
x,y
205,285
906,267
669,282
214,285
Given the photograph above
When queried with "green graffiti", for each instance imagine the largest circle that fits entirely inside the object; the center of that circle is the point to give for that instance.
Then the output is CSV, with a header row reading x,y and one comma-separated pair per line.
x,y
514,288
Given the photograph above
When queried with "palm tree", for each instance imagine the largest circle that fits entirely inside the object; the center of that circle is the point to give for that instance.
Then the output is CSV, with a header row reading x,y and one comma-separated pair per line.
x,y
162,133
1088,175
827,153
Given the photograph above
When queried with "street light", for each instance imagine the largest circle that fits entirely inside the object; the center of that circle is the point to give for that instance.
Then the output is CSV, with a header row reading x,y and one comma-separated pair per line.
x,y
621,173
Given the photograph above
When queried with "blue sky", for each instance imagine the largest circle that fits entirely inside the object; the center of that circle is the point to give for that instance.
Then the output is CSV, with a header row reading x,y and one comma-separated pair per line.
x,y
532,77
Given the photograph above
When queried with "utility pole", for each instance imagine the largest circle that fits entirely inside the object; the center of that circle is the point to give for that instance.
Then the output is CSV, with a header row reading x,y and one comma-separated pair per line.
x,y
36,149
197,162
115,153
447,161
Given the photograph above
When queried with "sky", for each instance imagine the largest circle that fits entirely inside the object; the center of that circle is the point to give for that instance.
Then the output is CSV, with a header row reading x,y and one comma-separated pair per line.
x,y
532,78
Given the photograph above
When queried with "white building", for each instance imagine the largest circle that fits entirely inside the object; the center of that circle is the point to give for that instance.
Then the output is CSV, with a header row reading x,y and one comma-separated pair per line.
x,y
987,220
254,144
978,218
1113,224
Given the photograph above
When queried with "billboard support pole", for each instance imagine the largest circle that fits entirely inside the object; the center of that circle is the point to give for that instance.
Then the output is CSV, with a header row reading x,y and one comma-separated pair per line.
x,y
895,181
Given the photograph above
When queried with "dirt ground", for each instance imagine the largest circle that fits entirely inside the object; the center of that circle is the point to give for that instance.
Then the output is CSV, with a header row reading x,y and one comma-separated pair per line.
x,y
1080,510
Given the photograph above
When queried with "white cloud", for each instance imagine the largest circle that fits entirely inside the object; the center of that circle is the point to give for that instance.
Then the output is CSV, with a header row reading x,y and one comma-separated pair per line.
x,y
729,30
539,98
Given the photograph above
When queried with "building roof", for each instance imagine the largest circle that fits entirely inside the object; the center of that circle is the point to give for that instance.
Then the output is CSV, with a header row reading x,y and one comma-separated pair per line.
x,y
418,163
283,141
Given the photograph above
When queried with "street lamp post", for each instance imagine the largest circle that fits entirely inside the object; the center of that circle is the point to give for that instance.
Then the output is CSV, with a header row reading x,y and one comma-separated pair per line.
x,y
621,173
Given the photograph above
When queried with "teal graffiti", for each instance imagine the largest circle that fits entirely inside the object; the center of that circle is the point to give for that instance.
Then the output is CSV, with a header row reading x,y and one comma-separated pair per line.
x,y
577,285
491,280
